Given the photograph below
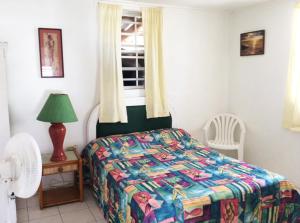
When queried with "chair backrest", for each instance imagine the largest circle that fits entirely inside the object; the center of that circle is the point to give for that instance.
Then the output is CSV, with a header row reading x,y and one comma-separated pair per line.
x,y
225,125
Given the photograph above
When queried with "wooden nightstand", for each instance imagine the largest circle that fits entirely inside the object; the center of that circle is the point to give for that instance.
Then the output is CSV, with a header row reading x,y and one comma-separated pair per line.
x,y
62,194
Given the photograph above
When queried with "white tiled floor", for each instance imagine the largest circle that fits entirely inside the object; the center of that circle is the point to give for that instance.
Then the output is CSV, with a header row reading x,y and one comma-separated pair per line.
x,y
28,211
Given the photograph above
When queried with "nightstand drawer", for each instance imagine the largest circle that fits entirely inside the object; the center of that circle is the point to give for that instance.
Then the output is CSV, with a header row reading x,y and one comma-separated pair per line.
x,y
60,169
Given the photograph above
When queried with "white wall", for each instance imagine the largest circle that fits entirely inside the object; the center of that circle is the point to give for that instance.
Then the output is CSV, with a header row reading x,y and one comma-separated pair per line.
x,y
196,60
257,88
27,91
195,52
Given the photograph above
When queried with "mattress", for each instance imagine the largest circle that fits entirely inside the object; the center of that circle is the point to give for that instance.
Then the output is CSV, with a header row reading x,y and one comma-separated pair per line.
x,y
167,176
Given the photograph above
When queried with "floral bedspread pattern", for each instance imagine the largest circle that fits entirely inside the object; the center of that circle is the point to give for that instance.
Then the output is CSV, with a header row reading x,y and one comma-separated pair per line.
x,y
164,176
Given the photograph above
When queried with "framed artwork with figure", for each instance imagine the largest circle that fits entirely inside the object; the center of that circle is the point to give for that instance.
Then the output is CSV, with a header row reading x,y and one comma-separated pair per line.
x,y
51,53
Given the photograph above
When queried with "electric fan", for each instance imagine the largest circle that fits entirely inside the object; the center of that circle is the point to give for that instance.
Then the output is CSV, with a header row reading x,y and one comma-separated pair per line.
x,y
20,173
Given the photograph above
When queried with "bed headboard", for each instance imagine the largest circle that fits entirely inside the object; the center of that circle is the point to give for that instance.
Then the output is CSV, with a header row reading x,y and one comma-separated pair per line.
x,y
137,122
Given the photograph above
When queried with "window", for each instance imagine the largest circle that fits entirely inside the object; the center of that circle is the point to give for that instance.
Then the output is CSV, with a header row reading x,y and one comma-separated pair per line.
x,y
132,49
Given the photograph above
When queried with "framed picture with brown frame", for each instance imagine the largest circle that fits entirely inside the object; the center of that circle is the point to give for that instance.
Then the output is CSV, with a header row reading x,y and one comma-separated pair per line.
x,y
253,43
51,53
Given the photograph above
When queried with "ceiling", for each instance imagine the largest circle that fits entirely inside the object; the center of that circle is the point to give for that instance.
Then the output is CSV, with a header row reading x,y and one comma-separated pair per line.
x,y
220,4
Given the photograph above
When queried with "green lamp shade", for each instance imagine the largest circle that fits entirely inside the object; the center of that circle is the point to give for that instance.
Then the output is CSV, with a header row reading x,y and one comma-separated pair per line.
x,y
58,109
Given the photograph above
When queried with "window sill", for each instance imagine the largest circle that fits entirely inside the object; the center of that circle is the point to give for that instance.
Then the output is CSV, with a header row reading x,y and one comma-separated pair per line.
x,y
134,97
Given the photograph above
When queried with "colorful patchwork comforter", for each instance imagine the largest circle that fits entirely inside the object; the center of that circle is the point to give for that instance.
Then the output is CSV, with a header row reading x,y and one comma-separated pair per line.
x,y
164,176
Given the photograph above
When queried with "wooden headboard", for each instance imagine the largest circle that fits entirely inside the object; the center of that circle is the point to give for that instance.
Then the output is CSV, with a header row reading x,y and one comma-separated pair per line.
x,y
137,122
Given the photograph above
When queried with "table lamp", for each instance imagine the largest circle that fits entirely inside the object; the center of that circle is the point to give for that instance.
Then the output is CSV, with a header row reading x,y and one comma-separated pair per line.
x,y
57,110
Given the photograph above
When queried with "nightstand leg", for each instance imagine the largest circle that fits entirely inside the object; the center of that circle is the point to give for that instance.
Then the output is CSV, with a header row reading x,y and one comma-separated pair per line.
x,y
41,197
80,180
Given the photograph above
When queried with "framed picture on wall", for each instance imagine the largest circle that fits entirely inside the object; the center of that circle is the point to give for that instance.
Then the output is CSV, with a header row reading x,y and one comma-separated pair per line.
x,y
253,43
51,53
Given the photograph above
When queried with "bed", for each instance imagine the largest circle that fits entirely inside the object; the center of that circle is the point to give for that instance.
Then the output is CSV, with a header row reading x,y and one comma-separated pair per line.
x,y
164,175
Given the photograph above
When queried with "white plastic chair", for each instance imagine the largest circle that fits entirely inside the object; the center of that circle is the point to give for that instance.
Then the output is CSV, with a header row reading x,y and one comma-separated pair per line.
x,y
226,126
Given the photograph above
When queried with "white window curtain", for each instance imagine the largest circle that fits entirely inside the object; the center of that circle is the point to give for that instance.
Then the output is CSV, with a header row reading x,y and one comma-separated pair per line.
x,y
292,104
4,118
156,103
112,104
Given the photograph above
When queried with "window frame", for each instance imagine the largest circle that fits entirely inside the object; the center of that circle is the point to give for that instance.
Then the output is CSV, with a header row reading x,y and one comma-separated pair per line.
x,y
136,14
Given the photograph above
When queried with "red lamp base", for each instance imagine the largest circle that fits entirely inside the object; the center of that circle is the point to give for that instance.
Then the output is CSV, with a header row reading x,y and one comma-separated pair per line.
x,y
57,133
